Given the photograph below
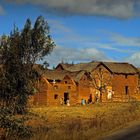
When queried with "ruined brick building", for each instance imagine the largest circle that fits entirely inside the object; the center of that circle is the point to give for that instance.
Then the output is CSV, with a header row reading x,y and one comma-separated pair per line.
x,y
75,82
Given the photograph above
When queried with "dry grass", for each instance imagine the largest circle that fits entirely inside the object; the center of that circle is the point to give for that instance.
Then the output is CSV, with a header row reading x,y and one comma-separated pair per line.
x,y
84,122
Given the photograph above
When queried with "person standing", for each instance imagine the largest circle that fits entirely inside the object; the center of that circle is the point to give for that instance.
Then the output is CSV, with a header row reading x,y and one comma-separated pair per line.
x,y
68,102
109,95
61,101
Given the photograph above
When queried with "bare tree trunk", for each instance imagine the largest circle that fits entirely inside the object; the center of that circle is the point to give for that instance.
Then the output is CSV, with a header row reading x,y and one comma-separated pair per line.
x,y
101,96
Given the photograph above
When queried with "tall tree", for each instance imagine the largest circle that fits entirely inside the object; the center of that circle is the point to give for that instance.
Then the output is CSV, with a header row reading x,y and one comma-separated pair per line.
x,y
18,53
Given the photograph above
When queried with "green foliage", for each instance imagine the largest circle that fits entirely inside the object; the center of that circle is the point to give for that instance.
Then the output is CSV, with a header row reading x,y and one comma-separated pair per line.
x,y
13,126
18,54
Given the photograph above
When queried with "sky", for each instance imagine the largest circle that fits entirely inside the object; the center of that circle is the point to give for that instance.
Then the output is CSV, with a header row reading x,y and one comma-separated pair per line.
x,y
83,30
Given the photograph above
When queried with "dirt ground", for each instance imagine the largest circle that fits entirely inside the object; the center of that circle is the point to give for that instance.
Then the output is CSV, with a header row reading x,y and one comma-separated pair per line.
x,y
131,132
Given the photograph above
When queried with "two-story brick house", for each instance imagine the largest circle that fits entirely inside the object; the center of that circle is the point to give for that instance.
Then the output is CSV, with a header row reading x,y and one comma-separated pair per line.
x,y
56,85
75,82
124,77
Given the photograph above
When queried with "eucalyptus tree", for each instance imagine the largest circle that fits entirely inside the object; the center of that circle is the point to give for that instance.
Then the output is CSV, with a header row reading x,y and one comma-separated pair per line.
x,y
18,53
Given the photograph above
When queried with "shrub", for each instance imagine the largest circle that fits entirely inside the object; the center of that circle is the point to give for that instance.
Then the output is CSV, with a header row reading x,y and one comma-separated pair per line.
x,y
14,126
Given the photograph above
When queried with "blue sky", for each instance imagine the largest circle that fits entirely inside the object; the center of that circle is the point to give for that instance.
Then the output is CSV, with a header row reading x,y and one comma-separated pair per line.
x,y
83,30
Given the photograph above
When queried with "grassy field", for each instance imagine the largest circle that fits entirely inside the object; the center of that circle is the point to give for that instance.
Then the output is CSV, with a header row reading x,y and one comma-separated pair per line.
x,y
83,122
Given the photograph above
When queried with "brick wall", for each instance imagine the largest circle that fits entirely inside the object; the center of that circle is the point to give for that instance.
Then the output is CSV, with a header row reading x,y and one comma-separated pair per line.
x,y
52,93
125,85
125,88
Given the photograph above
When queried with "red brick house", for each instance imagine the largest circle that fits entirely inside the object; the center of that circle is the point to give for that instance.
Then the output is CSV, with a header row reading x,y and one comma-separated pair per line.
x,y
124,79
75,82
56,85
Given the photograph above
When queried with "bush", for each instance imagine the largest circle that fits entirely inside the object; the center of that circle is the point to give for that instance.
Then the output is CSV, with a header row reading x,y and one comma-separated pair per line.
x,y
14,126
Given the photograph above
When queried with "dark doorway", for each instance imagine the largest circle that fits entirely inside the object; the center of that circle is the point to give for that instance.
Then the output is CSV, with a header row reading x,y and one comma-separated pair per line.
x,y
90,99
66,97
126,90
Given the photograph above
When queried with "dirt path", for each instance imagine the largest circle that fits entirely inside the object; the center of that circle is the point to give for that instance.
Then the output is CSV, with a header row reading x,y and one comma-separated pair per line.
x,y
132,132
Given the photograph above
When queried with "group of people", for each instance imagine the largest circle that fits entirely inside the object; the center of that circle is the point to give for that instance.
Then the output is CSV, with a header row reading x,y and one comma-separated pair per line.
x,y
66,101
110,94
97,95
84,102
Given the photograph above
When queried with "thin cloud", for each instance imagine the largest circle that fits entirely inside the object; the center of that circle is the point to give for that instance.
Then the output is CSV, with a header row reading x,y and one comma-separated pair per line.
x,y
2,11
108,46
119,42
58,26
122,9
69,55
125,41
67,35
134,59
114,41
